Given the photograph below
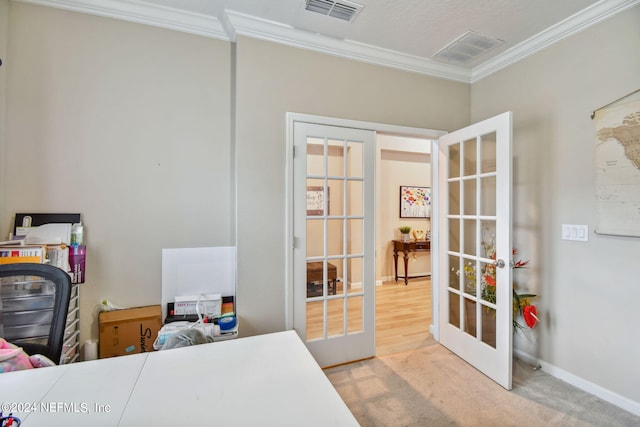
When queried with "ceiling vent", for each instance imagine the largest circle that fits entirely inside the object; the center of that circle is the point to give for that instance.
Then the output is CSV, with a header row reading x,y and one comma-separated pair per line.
x,y
344,10
466,48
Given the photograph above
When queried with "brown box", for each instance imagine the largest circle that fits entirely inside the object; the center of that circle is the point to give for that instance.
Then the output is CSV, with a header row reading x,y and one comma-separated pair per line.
x,y
128,331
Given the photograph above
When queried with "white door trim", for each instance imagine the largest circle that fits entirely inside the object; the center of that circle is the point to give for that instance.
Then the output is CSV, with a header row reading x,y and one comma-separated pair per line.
x,y
291,118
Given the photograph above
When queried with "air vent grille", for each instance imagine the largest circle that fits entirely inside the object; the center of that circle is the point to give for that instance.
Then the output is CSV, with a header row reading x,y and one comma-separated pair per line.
x,y
466,48
344,10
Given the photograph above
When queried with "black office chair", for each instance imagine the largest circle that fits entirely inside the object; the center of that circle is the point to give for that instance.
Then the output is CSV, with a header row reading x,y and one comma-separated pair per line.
x,y
34,301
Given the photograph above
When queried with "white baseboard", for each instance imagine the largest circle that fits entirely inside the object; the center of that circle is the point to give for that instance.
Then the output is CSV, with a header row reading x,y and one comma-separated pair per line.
x,y
579,382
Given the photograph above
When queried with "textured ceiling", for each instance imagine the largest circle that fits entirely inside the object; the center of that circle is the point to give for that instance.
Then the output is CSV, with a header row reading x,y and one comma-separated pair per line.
x,y
415,27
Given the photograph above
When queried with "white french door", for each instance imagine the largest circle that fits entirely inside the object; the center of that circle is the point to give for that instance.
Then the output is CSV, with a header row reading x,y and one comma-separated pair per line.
x,y
334,235
475,244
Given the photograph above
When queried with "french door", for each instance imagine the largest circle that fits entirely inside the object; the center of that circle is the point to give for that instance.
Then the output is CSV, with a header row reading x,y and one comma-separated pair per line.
x,y
475,244
334,235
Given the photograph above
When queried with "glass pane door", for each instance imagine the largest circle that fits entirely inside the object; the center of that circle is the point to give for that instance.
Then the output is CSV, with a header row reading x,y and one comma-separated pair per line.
x,y
474,223
334,237
472,234
334,302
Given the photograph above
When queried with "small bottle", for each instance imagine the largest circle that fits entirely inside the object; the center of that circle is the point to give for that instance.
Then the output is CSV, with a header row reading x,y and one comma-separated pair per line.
x,y
77,232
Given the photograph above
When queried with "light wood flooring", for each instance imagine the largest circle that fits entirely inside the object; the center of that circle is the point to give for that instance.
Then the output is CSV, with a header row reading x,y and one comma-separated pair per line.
x,y
403,316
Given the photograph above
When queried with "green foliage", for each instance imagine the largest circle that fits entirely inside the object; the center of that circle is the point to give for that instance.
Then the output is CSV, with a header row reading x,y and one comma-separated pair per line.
x,y
405,229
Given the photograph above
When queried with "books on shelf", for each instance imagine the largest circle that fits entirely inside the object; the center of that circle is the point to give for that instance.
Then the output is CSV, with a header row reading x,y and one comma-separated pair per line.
x,y
17,254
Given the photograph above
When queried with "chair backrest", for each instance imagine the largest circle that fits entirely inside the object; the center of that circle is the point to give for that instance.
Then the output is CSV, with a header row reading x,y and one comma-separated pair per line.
x,y
26,293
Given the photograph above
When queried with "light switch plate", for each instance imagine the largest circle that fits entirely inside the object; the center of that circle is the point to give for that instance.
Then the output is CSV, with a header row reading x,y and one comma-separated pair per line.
x,y
575,232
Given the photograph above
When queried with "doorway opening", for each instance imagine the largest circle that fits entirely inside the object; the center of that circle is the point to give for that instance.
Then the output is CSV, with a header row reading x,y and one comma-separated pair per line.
x,y
403,306
304,133
471,167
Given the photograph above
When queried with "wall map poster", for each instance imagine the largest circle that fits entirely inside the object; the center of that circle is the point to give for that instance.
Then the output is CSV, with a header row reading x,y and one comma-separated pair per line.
x,y
617,130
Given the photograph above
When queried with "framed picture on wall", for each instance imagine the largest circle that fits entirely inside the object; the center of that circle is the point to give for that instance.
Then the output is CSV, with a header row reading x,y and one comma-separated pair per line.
x,y
315,200
415,202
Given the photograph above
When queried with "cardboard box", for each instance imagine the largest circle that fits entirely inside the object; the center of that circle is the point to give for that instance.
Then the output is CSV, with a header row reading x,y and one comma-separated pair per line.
x,y
128,331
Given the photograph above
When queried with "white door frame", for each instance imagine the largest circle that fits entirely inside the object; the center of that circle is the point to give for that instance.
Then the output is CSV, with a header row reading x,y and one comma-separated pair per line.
x,y
291,118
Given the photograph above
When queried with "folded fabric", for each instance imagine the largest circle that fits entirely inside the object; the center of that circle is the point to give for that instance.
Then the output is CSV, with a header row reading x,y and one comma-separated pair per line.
x,y
40,361
187,337
13,358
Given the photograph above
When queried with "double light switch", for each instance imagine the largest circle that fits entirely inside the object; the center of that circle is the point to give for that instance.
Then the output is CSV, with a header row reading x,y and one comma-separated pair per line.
x,y
575,232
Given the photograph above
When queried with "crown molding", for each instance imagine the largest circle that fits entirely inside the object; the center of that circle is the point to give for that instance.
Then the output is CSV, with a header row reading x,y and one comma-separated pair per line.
x,y
231,24
251,26
143,13
592,15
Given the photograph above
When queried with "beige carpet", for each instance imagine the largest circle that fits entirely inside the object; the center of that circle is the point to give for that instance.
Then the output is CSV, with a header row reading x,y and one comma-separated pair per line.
x,y
433,387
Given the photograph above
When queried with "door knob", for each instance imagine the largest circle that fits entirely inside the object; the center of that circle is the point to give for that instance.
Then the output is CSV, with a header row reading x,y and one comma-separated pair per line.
x,y
499,263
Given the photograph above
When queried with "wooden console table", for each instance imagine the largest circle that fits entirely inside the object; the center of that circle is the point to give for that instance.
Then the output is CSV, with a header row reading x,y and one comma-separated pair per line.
x,y
405,248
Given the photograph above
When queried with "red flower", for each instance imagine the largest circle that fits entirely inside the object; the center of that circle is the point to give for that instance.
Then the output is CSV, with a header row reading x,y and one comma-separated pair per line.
x,y
491,281
529,313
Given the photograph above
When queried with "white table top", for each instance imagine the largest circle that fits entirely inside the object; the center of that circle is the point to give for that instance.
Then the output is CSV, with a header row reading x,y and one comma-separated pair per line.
x,y
265,380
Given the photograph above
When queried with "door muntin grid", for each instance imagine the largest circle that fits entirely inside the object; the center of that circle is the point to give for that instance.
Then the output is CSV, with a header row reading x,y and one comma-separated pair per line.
x,y
471,223
335,237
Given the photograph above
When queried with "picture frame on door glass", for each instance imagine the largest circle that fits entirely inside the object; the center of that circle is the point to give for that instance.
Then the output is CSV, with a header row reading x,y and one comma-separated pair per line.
x,y
315,200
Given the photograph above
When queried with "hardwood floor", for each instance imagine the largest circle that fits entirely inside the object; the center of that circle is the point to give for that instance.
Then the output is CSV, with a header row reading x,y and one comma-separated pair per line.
x,y
403,316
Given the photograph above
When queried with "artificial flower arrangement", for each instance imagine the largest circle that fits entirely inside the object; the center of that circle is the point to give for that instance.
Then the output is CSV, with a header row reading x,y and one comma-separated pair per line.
x,y
521,302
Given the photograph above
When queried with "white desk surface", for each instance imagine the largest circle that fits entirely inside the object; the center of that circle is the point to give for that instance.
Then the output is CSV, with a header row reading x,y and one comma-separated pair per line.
x,y
265,380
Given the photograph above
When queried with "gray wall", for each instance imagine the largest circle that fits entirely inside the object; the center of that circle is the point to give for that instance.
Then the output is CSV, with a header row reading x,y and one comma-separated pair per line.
x,y
589,291
274,79
127,124
134,126
4,32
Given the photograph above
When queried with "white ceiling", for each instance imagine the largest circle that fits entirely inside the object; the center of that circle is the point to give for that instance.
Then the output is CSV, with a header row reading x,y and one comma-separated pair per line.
x,y
403,34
